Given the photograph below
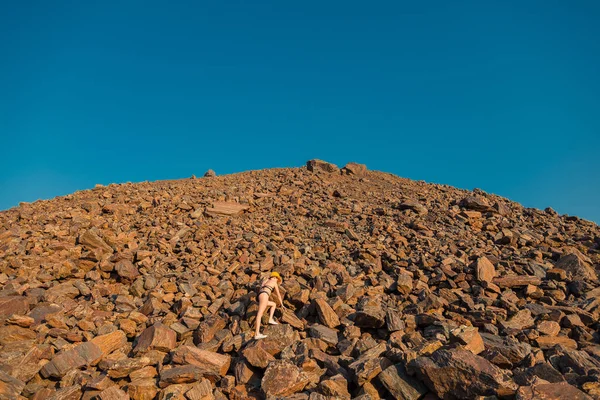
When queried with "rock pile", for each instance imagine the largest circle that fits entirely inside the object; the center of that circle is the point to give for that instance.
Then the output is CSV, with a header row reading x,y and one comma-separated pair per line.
x,y
394,289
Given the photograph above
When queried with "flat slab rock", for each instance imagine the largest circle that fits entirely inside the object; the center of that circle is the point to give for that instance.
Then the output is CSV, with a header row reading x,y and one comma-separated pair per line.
x,y
226,208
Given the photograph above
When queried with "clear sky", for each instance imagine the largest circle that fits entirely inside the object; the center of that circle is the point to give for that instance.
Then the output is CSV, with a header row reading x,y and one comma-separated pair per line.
x,y
500,95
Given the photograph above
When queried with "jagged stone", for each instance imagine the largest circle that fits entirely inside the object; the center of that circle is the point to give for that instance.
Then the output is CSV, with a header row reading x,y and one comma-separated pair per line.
x,y
209,362
282,379
400,385
156,337
318,165
462,374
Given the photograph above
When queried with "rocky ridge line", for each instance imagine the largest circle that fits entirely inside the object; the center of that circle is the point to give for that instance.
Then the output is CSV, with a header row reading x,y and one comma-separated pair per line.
x,y
394,288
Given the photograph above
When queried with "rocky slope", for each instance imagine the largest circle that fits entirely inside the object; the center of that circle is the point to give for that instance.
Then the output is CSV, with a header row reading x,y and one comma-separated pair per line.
x,y
394,289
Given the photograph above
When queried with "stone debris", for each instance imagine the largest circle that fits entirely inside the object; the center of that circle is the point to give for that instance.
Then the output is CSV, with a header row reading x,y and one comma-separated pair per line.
x,y
393,289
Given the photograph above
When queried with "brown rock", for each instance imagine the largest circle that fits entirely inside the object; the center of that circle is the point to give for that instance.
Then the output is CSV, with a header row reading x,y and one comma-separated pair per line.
x,y
226,208
81,355
462,374
469,337
282,379
318,165
91,240
513,280
324,333
547,342
142,389
369,314
400,385
257,356
521,320
156,337
72,392
485,270
113,393
110,342
355,169
336,387
10,388
13,334
123,368
126,269
10,305
210,363
180,374
551,391
576,267
207,328
326,314
549,328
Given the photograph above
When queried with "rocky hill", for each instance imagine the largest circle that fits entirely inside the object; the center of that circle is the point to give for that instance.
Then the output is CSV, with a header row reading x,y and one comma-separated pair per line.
x,y
394,289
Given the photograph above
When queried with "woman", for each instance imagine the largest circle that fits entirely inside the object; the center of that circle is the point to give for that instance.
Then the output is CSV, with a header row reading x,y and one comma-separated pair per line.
x,y
263,301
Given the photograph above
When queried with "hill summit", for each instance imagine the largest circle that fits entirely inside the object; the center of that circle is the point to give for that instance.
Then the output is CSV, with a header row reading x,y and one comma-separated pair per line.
x,y
394,289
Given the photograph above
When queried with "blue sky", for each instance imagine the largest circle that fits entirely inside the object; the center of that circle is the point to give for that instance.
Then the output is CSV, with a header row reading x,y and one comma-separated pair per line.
x,y
498,95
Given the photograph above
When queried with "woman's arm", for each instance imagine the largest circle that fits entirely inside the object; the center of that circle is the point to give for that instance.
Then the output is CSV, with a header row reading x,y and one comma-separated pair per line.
x,y
279,294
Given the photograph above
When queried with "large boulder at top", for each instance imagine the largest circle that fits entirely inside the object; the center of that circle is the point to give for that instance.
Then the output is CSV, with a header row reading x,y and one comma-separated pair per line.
x,y
355,169
458,373
319,165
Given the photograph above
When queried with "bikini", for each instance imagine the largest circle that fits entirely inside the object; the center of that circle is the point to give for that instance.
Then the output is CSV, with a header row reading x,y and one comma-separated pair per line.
x,y
263,289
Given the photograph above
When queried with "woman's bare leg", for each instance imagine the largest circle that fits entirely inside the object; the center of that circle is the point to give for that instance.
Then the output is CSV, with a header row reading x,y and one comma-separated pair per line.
x,y
273,305
263,301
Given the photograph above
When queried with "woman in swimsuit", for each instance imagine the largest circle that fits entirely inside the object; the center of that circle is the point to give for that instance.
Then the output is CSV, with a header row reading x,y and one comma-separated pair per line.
x,y
263,302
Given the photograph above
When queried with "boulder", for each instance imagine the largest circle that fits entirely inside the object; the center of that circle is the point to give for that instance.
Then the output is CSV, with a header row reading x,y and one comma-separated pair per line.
x,y
282,379
462,374
322,166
